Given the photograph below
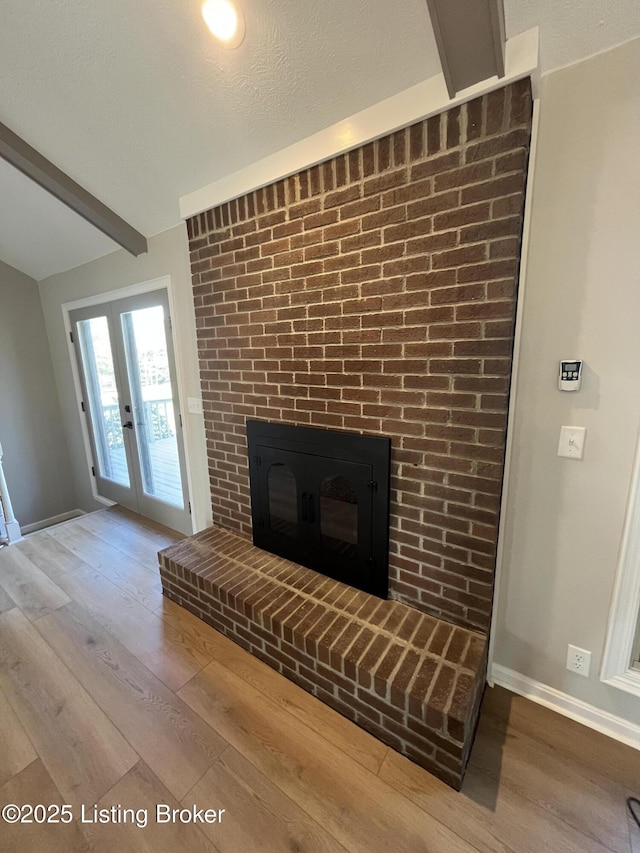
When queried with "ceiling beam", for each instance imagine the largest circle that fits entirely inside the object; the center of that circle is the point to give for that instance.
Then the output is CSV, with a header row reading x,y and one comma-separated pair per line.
x,y
470,36
31,163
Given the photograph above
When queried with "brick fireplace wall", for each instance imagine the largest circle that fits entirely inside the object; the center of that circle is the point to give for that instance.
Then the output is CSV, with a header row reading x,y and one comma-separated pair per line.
x,y
376,293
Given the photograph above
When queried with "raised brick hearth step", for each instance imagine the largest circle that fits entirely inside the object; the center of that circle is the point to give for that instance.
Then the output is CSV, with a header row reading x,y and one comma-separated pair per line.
x,y
413,681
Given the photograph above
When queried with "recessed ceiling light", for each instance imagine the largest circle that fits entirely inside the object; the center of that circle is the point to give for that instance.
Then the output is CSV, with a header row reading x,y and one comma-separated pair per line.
x,y
225,20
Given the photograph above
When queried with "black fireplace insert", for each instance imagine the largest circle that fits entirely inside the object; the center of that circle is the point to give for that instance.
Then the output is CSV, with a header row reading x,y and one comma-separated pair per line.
x,y
321,498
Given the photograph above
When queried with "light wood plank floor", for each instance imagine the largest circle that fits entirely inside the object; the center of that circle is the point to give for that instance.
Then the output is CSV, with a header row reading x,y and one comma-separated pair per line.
x,y
113,698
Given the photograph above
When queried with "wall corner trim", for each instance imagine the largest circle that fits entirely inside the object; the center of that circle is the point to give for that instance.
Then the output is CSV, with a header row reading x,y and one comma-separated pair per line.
x,y
425,99
501,567
562,703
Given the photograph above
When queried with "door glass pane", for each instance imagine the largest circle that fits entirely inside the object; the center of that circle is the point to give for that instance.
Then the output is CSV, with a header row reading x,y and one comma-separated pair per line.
x,y
339,515
153,413
104,405
283,500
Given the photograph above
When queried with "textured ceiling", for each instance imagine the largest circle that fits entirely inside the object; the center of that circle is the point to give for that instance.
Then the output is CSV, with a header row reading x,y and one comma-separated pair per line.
x,y
39,234
136,102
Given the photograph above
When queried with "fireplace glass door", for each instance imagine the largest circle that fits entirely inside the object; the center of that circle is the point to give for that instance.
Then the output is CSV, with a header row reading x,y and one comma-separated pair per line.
x,y
339,514
315,505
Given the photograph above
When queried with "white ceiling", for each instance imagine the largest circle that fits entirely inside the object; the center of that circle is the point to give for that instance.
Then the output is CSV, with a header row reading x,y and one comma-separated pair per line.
x,y
40,235
136,102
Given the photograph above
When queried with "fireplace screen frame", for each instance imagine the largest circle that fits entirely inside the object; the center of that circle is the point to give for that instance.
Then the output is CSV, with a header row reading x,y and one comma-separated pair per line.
x,y
312,455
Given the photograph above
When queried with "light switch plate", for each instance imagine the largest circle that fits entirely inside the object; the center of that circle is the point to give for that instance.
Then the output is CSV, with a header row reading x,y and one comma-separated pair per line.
x,y
571,442
194,405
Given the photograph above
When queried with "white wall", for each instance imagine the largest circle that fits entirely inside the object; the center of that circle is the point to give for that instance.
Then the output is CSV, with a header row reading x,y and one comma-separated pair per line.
x,y
168,255
36,461
564,518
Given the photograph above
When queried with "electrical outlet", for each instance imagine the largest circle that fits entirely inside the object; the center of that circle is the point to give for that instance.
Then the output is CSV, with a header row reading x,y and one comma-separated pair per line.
x,y
578,660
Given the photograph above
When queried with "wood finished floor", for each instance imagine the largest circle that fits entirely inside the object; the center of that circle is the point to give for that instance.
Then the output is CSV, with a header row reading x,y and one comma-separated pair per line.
x,y
112,696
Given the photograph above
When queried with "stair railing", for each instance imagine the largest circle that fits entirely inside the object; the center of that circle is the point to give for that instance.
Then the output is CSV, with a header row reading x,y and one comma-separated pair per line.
x,y
9,527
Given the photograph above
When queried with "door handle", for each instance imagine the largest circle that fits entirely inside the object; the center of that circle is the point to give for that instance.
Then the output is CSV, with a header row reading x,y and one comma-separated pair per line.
x,y
128,425
308,509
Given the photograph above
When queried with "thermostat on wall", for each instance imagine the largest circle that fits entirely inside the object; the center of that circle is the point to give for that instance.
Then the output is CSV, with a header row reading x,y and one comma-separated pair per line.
x,y
570,375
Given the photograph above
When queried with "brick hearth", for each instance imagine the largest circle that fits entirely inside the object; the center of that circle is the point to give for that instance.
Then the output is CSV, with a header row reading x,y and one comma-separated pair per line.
x,y
413,681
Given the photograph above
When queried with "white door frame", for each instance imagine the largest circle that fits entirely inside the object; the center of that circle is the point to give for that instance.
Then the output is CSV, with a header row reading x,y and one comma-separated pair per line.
x,y
625,605
163,282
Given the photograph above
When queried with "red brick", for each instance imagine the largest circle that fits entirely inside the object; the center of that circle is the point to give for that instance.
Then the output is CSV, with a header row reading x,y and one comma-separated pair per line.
x,y
461,293
458,257
483,272
492,189
507,206
466,175
497,145
521,103
514,161
355,165
453,127
384,153
400,147
461,216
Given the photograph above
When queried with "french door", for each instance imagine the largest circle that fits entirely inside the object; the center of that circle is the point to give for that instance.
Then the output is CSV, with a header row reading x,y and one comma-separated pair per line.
x,y
127,369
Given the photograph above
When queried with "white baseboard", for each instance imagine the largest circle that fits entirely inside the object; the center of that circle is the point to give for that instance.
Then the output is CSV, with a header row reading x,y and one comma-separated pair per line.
x,y
49,522
595,718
